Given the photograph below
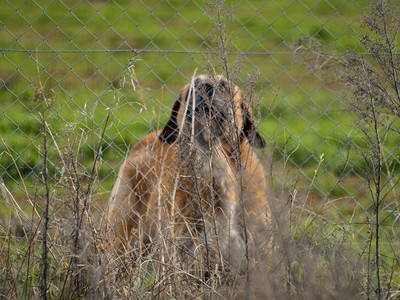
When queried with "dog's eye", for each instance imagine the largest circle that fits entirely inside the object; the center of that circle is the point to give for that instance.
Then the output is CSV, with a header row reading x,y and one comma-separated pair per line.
x,y
223,85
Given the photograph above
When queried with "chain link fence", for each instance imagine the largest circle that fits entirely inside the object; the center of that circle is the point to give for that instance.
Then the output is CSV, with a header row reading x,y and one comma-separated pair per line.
x,y
112,70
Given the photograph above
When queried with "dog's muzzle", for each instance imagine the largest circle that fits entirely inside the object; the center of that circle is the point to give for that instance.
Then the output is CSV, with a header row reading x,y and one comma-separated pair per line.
x,y
207,103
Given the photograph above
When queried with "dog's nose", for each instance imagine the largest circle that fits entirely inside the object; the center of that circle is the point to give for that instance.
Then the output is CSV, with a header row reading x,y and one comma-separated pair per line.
x,y
203,94
208,89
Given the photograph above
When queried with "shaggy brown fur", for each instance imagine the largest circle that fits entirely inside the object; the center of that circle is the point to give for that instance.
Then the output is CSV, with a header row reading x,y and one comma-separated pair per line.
x,y
197,171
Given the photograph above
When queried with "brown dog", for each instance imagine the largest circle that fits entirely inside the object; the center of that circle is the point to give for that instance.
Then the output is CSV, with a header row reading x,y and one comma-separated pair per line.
x,y
198,175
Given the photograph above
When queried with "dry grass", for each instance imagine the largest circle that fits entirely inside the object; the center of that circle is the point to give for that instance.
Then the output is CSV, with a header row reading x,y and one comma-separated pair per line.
x,y
62,253
282,261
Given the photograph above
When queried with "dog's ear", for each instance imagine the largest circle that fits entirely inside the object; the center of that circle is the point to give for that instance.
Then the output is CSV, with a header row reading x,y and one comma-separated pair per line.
x,y
250,131
171,129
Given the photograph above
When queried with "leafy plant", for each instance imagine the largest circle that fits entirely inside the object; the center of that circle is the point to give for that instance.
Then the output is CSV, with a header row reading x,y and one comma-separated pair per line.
x,y
373,78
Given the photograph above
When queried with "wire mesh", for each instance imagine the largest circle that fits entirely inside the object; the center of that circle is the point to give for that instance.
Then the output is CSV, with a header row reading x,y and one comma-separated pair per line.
x,y
114,69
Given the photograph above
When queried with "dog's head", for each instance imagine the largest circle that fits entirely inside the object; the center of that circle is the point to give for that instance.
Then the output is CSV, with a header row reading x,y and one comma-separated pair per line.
x,y
212,107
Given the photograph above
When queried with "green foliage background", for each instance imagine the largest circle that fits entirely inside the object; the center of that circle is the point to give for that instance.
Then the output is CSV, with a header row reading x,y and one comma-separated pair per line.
x,y
81,50
117,66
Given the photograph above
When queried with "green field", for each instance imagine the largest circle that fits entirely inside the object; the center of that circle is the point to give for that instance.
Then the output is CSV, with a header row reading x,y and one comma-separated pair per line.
x,y
114,69
81,52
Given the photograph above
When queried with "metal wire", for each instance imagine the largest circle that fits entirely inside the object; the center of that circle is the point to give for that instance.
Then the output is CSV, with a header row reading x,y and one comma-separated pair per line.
x,y
84,54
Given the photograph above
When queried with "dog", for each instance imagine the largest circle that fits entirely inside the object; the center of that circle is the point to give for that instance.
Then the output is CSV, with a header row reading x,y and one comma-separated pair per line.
x,y
198,175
